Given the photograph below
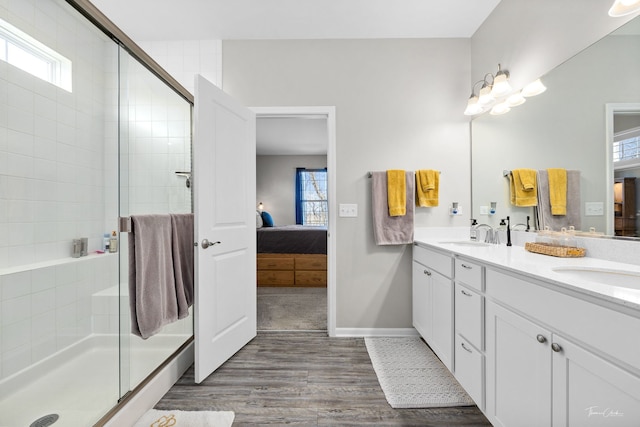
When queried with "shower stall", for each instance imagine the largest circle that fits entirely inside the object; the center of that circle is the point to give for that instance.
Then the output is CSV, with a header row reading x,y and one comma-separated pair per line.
x,y
88,136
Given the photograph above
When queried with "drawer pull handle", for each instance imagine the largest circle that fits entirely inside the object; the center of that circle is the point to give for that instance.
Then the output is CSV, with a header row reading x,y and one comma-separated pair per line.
x,y
427,272
541,338
556,347
465,293
468,267
465,347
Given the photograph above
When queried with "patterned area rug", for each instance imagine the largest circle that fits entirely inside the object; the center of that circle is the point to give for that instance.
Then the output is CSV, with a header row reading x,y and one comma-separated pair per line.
x,y
411,376
157,418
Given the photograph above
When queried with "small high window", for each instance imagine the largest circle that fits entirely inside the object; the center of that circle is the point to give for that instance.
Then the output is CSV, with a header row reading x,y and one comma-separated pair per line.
x,y
626,149
23,51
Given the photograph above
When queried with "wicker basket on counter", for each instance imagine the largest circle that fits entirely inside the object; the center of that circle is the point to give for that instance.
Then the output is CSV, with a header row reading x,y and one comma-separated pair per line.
x,y
557,251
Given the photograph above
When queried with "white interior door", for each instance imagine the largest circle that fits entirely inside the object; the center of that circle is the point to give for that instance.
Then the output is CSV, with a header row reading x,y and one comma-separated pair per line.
x,y
224,183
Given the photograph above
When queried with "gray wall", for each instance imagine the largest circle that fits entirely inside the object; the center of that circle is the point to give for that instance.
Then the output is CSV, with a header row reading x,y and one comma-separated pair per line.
x,y
399,104
530,38
276,183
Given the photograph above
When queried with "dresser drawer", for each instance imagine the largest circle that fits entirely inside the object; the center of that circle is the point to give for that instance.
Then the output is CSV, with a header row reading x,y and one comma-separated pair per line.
x,y
311,262
275,278
468,273
275,262
469,369
469,314
311,278
432,259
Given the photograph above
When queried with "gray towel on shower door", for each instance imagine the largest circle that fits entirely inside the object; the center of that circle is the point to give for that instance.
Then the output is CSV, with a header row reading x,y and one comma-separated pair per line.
x,y
182,252
543,210
391,230
152,289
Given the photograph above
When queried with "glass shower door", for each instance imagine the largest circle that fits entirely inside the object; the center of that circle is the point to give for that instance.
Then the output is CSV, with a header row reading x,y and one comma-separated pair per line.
x,y
155,162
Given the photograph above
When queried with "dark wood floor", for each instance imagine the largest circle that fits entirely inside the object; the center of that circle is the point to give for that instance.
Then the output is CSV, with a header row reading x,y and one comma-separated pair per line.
x,y
305,378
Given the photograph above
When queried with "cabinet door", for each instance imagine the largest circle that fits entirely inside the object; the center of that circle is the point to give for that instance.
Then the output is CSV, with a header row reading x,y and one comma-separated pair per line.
x,y
590,391
442,318
421,300
518,370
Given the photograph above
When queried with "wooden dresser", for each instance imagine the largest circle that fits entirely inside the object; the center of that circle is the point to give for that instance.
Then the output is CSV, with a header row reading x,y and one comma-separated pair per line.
x,y
624,191
309,270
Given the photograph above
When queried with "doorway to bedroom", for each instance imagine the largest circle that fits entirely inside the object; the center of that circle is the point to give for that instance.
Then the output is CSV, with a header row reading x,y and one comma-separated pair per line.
x,y
295,188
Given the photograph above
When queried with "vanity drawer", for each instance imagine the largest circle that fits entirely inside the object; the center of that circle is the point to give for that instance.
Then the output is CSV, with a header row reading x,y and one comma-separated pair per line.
x,y
432,259
469,365
468,317
468,273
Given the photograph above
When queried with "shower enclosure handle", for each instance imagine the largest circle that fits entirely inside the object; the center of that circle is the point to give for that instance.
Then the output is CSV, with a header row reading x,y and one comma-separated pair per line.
x,y
206,243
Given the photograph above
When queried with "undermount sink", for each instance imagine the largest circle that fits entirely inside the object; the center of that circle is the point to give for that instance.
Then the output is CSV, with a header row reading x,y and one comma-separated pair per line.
x,y
621,278
464,243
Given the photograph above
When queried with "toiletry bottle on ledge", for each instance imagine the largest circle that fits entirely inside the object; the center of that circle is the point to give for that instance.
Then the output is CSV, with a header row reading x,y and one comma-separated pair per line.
x,y
113,242
105,242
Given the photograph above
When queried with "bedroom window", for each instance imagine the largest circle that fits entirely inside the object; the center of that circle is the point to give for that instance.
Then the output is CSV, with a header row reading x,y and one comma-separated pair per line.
x,y
311,197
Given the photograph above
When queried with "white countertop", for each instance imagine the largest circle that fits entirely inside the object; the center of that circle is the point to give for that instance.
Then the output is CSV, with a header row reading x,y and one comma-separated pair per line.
x,y
537,266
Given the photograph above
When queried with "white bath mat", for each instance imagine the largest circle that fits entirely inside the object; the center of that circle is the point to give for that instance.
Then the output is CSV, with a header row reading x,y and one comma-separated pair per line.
x,y
411,376
162,418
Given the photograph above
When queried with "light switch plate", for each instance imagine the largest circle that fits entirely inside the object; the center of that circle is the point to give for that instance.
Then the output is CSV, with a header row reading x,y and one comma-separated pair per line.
x,y
348,210
484,210
594,208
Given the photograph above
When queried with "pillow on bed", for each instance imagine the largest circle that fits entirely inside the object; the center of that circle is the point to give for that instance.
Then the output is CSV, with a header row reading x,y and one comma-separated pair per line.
x,y
267,220
258,220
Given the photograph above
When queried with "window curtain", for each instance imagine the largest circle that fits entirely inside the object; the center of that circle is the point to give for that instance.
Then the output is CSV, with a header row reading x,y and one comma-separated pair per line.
x,y
299,195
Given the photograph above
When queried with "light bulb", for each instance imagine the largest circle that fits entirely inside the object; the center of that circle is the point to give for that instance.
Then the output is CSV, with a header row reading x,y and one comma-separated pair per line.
x,y
501,85
499,109
534,88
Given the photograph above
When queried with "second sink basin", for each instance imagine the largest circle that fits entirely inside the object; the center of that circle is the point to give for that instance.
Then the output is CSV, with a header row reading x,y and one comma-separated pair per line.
x,y
621,278
464,243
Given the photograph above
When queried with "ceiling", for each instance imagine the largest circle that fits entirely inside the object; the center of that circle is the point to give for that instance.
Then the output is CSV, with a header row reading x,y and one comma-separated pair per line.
x,y
166,20
287,136
149,20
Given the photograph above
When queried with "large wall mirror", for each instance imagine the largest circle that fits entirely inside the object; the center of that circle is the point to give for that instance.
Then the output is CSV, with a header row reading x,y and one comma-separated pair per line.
x,y
589,98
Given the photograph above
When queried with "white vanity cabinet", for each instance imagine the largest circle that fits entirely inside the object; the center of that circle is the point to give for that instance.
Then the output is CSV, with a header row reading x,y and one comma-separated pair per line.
x,y
554,359
433,301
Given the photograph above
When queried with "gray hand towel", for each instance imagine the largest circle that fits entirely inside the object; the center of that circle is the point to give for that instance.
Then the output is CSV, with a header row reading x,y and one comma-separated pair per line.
x,y
543,210
182,252
152,289
388,230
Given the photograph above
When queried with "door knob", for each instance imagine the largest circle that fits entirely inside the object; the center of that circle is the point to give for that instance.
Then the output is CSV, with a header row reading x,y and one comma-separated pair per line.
x,y
206,243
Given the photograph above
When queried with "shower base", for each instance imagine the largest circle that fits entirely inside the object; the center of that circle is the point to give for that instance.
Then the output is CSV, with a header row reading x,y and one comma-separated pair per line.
x,y
80,383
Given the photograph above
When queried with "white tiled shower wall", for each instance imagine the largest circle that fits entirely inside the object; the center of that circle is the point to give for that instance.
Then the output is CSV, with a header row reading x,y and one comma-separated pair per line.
x,y
59,181
52,187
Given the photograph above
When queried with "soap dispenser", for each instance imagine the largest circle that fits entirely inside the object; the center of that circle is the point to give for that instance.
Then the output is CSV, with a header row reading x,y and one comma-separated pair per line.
x,y
473,236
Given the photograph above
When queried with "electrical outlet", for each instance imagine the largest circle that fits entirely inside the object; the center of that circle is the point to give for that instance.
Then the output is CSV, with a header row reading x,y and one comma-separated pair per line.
x,y
594,208
348,210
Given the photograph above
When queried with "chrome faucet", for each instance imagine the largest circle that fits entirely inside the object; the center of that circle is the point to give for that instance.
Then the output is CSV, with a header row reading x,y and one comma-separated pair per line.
x,y
491,235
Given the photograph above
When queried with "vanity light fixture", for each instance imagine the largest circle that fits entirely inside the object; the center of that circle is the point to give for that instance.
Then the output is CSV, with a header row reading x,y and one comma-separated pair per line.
x,y
624,7
516,99
534,88
499,109
501,86
473,105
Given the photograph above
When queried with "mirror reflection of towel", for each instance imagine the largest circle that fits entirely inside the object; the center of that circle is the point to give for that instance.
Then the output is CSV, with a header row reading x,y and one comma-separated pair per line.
x,y
523,187
558,191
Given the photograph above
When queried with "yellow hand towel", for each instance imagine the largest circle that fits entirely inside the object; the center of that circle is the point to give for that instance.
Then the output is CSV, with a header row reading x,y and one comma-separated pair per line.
x,y
558,191
396,192
523,187
427,188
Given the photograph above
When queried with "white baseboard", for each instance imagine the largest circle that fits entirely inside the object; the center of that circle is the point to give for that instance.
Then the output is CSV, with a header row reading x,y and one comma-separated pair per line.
x,y
157,387
376,332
